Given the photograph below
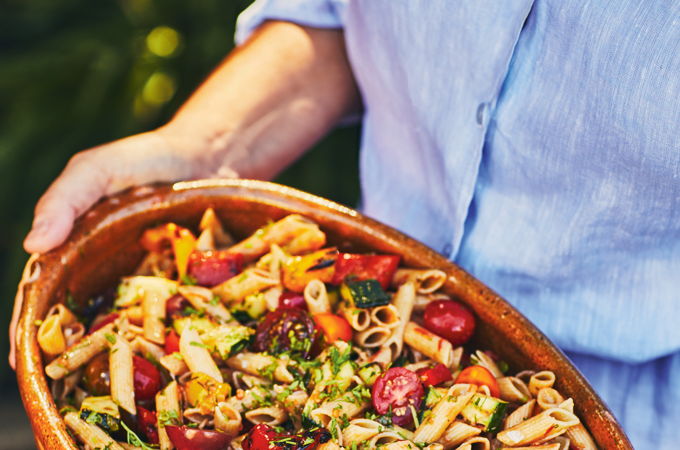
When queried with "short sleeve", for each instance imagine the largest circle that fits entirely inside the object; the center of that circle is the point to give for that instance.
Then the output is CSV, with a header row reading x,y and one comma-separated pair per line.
x,y
313,13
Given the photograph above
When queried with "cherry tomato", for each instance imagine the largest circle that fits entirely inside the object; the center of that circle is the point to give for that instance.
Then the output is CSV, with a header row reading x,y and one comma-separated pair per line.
x,y
175,305
290,299
214,267
264,437
398,389
146,421
171,342
186,438
364,267
96,376
434,375
287,329
103,321
147,379
450,320
334,327
479,376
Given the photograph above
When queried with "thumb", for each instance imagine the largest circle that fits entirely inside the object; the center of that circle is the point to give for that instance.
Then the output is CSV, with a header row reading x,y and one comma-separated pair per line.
x,y
82,183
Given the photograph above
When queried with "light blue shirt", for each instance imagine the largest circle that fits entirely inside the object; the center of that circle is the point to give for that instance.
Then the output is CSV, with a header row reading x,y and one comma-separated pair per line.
x,y
536,143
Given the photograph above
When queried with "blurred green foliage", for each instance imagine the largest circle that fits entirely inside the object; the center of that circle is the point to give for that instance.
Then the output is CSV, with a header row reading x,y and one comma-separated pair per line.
x,y
76,73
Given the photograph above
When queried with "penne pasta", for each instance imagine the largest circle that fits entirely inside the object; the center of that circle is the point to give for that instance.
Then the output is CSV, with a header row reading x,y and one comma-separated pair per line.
x,y
51,337
428,344
484,360
227,419
168,412
196,356
457,433
403,302
513,389
426,280
259,364
121,373
540,380
548,398
540,428
444,413
80,353
250,281
580,438
270,415
316,297
90,435
372,337
202,299
475,443
385,316
360,430
520,414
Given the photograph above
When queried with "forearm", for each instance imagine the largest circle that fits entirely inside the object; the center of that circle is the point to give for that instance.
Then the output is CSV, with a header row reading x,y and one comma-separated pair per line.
x,y
268,102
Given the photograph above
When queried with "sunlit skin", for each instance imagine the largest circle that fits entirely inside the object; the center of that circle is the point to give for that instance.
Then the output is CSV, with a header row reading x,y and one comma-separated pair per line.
x,y
268,102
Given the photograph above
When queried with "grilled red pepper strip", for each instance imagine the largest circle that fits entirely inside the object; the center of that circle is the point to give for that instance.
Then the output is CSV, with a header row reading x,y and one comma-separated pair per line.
x,y
364,267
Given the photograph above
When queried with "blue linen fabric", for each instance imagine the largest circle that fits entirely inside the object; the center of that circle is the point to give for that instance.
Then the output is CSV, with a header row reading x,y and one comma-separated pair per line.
x,y
537,144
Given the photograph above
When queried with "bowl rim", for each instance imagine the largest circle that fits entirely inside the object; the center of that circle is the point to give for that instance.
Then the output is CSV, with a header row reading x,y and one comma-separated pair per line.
x,y
48,426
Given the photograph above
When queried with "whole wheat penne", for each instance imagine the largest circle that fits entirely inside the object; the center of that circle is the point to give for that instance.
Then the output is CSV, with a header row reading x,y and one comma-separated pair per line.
x,y
121,374
66,317
316,297
385,438
540,380
281,233
579,438
153,306
174,363
345,406
400,445
227,419
475,443
487,362
147,349
90,435
444,413
554,446
543,426
385,316
372,337
270,415
196,356
250,281
360,430
202,299
168,412
403,302
512,389
80,353
210,222
134,314
548,398
259,364
426,280
428,344
520,414
457,433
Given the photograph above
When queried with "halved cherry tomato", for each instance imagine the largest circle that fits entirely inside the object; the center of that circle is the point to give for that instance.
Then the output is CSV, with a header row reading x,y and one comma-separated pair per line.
x,y
434,375
175,305
364,267
146,421
264,437
333,326
186,438
450,320
147,379
289,299
103,321
479,376
214,267
171,342
180,239
397,390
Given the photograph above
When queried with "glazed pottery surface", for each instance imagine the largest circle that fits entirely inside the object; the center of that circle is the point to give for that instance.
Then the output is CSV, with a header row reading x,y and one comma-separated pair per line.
x,y
104,246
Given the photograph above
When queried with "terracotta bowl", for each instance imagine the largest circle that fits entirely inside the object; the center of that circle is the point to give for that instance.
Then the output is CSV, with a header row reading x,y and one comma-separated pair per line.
x,y
103,247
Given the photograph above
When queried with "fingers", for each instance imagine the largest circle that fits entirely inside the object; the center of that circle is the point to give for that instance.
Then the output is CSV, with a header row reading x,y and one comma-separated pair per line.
x,y
82,183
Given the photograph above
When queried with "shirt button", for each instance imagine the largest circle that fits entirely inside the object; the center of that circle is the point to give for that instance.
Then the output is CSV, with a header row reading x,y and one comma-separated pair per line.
x,y
481,111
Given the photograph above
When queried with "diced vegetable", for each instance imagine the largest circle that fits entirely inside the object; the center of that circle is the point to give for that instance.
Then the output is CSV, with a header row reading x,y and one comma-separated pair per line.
x,y
147,379
479,376
214,267
353,267
171,342
364,294
227,340
433,396
203,392
133,289
187,438
146,422
334,327
486,411
103,405
300,270
254,306
434,375
369,373
201,324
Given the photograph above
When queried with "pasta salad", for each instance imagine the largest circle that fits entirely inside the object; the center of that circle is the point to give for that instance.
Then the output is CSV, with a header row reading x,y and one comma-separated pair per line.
x,y
282,342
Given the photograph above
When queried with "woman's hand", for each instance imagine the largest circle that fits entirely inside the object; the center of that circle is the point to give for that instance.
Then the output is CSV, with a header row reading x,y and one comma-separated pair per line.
x,y
144,158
